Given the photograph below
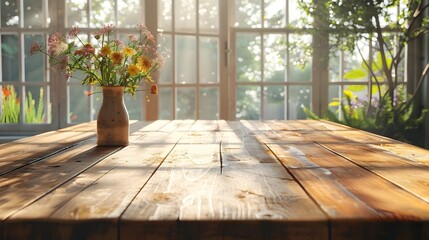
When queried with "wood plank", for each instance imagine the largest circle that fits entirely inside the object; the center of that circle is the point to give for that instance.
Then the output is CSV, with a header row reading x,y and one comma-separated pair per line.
x,y
25,151
88,206
361,205
408,174
251,196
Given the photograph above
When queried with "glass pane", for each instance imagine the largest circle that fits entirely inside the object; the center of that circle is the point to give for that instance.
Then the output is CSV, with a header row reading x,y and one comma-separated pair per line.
x,y
78,104
97,99
185,15
35,107
275,13
209,60
33,14
9,58
275,57
209,103
334,66
165,106
34,64
295,15
248,60
102,13
130,13
274,103
9,13
134,105
77,13
299,59
248,102
185,99
186,60
166,72
248,13
298,96
10,104
209,16
334,95
164,15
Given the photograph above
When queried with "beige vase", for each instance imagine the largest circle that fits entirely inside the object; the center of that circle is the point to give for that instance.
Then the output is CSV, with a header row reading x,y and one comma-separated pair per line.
x,y
113,127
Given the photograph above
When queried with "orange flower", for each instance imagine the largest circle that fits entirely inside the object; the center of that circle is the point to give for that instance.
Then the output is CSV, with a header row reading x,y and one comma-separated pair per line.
x,y
154,89
105,50
116,57
133,70
6,91
143,63
128,51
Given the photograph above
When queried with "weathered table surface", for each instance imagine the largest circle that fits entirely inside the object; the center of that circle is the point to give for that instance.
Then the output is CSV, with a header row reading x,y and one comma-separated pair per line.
x,y
188,179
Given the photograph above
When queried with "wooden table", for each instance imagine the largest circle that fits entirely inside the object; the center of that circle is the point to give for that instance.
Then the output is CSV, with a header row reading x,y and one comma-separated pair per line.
x,y
188,179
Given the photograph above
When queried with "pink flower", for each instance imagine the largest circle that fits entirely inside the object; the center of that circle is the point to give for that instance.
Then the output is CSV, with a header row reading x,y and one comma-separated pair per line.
x,y
141,27
74,32
55,44
35,47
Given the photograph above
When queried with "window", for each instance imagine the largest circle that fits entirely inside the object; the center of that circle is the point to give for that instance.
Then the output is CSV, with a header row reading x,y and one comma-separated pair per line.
x,y
272,74
190,82
228,59
26,87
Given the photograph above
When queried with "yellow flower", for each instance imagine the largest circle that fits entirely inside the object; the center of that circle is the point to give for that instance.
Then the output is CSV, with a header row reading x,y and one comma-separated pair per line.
x,y
128,51
116,57
105,50
143,63
133,70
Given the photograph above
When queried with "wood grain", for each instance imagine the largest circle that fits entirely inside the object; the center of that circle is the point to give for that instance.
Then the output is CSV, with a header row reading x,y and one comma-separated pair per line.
x,y
251,196
352,196
91,204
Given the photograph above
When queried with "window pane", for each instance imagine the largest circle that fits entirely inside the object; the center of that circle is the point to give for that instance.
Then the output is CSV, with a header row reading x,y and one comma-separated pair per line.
x,y
130,13
295,14
36,109
78,104
248,13
209,103
185,15
34,64
77,13
209,59
10,104
275,57
33,14
134,105
9,13
102,13
274,102
275,13
185,99
165,106
248,102
209,16
299,59
334,66
298,96
166,72
186,60
164,15
248,60
9,58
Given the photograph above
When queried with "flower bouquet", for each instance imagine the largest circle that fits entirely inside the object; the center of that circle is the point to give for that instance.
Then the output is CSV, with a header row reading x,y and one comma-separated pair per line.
x,y
116,66
108,62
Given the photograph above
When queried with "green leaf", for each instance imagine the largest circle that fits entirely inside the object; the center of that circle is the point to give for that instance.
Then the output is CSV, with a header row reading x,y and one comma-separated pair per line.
x,y
334,104
356,88
355,74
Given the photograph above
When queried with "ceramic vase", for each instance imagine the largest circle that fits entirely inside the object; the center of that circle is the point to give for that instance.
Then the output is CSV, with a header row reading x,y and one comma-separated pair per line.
x,y
113,127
